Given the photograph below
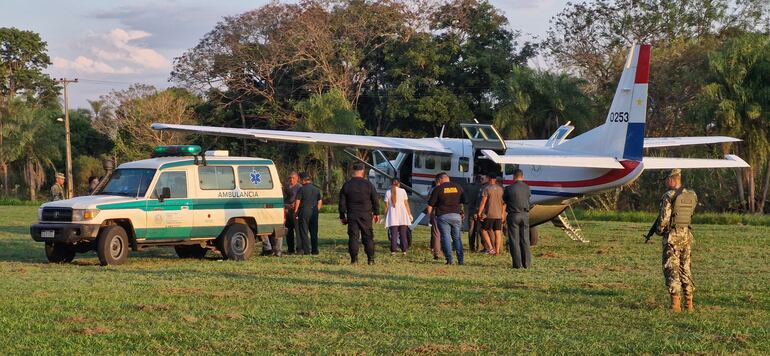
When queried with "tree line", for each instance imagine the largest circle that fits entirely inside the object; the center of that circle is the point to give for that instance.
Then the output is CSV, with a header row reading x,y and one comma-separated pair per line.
x,y
413,68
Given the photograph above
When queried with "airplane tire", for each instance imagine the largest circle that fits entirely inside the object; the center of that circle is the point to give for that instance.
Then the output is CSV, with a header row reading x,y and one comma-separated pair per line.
x,y
533,235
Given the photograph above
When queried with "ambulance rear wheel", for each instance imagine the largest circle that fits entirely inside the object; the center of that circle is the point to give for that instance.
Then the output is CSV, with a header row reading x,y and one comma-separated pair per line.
x,y
190,251
112,246
237,242
59,253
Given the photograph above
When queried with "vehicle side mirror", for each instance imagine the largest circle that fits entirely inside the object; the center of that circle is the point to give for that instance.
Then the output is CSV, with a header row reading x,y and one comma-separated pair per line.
x,y
165,193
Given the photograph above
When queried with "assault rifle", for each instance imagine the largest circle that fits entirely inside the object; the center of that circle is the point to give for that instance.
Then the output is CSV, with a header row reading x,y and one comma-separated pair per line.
x,y
652,231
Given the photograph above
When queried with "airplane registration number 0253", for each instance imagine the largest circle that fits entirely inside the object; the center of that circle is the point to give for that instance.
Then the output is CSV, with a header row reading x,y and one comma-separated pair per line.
x,y
47,233
618,117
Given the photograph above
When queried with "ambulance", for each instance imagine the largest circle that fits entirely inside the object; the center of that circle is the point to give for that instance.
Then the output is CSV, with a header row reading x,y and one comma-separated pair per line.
x,y
181,197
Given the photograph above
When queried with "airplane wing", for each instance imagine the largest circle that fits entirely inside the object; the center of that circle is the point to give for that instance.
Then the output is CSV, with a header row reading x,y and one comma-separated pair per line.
x,y
730,161
652,142
555,160
367,142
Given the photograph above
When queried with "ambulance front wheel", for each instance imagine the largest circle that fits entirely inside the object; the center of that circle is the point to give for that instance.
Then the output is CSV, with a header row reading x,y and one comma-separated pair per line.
x,y
112,246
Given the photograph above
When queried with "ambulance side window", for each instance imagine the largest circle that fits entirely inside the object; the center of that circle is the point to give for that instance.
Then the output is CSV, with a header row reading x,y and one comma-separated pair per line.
x,y
216,178
254,177
176,181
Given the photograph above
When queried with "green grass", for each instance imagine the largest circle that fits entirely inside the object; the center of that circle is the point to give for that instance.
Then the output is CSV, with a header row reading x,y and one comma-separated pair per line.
x,y
649,217
603,297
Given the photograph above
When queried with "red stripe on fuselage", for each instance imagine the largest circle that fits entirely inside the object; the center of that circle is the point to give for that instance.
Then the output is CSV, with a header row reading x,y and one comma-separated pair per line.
x,y
643,65
611,176
423,175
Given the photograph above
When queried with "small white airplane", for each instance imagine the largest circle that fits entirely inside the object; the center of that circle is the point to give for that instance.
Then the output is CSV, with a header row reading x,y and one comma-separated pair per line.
x,y
560,171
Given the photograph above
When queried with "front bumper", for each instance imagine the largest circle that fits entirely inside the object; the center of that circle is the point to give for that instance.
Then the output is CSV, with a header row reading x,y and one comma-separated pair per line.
x,y
66,233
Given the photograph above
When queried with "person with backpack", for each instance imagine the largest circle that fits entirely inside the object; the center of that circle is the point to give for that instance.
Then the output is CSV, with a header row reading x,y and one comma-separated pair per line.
x,y
676,209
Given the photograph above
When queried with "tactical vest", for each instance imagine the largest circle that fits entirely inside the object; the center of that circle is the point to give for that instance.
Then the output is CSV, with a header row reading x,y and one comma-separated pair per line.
x,y
683,208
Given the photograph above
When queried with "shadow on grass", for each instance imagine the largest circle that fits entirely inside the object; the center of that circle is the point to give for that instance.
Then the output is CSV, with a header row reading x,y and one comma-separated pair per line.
x,y
18,230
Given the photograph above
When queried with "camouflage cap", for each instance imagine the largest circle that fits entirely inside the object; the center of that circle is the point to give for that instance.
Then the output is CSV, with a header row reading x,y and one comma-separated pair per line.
x,y
674,172
60,175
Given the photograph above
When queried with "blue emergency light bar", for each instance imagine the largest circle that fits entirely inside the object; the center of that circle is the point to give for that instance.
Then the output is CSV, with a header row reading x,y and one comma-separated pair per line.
x,y
176,151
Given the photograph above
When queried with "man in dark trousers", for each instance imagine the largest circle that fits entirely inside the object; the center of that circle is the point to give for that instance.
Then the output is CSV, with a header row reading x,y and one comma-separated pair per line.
x,y
290,191
359,206
516,198
306,208
447,200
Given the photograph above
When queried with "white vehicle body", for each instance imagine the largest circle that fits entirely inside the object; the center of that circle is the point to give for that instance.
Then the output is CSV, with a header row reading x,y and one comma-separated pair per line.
x,y
205,196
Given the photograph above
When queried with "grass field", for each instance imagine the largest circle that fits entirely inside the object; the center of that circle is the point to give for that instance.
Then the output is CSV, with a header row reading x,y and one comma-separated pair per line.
x,y
604,297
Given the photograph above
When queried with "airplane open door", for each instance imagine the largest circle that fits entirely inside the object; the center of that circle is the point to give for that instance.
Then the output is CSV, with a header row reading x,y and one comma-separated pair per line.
x,y
484,137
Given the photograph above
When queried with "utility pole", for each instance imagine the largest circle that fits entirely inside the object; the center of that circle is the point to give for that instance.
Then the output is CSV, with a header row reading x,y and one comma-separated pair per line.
x,y
65,82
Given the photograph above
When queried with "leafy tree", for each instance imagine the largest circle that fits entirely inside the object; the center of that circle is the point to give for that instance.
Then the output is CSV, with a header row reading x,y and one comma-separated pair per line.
x,y
22,59
332,113
131,112
735,101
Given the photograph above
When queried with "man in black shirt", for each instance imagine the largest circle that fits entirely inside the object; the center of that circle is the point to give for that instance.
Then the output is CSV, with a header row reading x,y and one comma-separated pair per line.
x,y
306,208
447,199
290,191
516,198
359,205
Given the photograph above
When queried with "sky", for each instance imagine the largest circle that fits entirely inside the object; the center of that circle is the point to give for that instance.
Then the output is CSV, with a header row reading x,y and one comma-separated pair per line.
x,y
110,44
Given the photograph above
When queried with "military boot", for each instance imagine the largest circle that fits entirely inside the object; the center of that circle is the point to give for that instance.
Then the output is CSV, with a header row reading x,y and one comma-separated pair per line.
x,y
688,303
676,303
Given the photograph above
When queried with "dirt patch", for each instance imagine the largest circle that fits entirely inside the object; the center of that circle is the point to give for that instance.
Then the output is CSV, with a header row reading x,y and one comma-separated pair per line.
x,y
491,301
189,318
734,338
434,349
549,255
96,330
153,307
306,314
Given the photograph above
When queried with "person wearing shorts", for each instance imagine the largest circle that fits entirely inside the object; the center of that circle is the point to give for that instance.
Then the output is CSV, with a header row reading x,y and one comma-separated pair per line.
x,y
491,214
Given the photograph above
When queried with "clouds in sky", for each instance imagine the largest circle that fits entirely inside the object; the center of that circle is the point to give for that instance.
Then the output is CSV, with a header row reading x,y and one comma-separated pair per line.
x,y
116,52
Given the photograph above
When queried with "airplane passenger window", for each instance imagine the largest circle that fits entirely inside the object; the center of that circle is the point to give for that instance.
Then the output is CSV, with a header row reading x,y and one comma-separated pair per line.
x,y
430,162
463,164
446,163
509,168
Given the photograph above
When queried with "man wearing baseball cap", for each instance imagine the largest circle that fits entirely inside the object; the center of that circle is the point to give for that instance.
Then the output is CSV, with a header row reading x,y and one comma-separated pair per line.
x,y
57,190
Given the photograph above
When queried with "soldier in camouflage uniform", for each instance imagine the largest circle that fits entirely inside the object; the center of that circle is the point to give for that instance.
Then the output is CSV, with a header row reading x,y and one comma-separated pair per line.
x,y
676,208
57,190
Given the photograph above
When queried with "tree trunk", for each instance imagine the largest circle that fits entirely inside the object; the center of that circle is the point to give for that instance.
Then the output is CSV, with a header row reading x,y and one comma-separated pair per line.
x,y
31,179
761,207
741,194
751,198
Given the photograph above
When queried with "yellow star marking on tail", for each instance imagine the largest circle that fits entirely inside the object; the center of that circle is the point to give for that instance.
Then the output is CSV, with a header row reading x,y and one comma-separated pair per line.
x,y
639,102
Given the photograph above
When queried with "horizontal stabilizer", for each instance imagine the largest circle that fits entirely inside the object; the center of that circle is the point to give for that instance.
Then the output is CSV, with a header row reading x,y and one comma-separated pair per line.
x,y
555,160
356,141
730,161
652,142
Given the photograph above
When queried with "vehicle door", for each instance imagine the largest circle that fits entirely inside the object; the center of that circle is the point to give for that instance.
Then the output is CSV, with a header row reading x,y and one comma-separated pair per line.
x,y
169,209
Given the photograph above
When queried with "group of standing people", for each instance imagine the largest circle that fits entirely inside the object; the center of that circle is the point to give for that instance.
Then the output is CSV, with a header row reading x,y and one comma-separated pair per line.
x,y
58,192
491,207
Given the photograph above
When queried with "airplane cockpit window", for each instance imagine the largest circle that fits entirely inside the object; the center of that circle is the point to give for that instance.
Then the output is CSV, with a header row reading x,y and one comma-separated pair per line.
x,y
463,164
508,169
446,163
418,161
430,162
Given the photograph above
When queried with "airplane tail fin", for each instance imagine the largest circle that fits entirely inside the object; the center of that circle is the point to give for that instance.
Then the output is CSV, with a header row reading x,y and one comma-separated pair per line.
x,y
622,134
